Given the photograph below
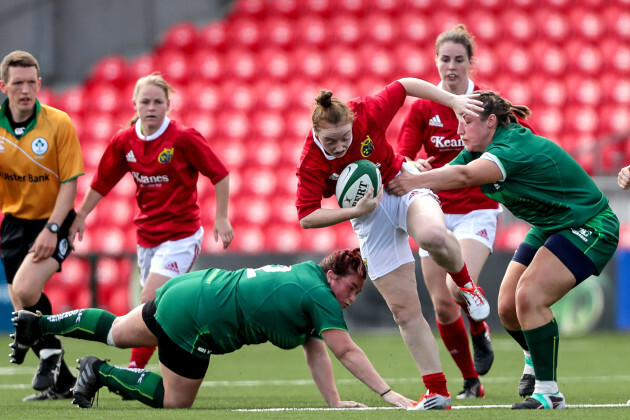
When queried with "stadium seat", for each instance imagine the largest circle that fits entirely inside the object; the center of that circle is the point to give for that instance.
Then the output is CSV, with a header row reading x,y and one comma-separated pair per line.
x,y
551,59
141,66
355,7
582,119
348,32
272,96
118,301
515,59
614,118
616,88
509,237
486,64
297,125
244,32
250,8
493,6
240,65
103,98
379,62
318,8
99,128
320,241
181,37
414,28
585,58
284,211
286,179
443,20
275,64
414,61
278,32
284,238
553,25
551,92
522,27
111,69
213,36
345,62
232,152
587,24
60,299
260,182
207,66
313,32
346,238
585,90
249,239
72,100
285,8
618,21
484,26
381,30
266,127
310,64
174,66
203,121
237,96
264,152
617,55
548,121
115,211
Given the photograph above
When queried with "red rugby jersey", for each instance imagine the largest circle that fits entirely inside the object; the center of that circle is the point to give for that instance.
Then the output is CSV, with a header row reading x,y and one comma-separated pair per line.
x,y
165,171
433,126
317,175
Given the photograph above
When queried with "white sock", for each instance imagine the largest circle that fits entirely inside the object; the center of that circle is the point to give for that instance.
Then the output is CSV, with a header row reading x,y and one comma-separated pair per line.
x,y
546,387
46,353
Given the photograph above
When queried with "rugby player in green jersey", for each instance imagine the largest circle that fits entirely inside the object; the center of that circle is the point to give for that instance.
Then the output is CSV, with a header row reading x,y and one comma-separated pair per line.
x,y
216,311
574,232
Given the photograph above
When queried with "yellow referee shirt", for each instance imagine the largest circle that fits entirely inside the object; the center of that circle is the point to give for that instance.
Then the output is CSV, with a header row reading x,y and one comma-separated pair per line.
x,y
34,164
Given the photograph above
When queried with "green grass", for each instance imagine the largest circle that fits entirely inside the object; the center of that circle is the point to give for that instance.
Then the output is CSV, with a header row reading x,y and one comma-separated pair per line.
x,y
593,370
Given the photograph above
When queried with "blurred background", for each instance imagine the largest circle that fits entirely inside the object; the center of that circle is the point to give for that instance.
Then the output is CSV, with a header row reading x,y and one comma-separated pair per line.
x,y
246,73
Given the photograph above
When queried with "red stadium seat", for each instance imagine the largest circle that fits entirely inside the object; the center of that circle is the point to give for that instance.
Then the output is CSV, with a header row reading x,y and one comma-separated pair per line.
x,y
585,90
258,181
618,22
72,100
319,240
346,238
203,121
249,8
617,55
141,66
310,64
581,119
286,179
414,28
47,96
614,118
207,97
249,239
509,237
181,37
349,30
515,58
588,24
551,92
493,6
284,210
354,7
298,126
109,240
267,126
284,238
526,5
313,33
553,25
104,98
240,65
391,7
548,121
272,95
115,211
110,69
118,301
213,36
244,32
99,128
484,26
585,58
207,65
278,32
345,62
285,8
344,88
60,299
323,8
381,30
414,61
443,20
237,96
232,153
551,59
487,65
522,27
174,66
275,64
616,88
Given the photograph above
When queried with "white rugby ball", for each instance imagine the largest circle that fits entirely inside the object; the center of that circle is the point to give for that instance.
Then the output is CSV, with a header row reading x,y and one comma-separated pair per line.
x,y
355,181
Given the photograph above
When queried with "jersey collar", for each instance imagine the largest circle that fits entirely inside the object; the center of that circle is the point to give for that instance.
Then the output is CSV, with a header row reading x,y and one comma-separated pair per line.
x,y
326,154
154,135
470,89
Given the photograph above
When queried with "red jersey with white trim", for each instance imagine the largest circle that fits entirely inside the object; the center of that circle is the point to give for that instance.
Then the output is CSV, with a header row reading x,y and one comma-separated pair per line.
x,y
317,173
433,126
165,171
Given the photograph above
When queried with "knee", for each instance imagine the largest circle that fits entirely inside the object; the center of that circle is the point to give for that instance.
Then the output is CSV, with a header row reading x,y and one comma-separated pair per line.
x,y
433,238
506,310
446,310
25,294
404,315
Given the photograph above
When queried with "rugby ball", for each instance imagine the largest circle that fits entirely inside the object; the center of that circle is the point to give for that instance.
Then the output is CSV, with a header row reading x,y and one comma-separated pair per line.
x,y
355,181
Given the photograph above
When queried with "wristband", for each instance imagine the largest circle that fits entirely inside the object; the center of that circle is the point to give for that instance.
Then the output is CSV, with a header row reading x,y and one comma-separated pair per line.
x,y
388,390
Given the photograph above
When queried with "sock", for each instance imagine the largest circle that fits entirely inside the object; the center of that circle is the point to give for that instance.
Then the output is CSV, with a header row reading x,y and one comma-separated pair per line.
x,y
66,379
461,278
86,324
528,369
138,384
48,342
455,339
436,382
546,387
519,337
476,327
140,356
543,347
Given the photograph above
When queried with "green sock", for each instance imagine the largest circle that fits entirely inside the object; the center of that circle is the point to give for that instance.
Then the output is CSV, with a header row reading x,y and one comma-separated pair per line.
x,y
139,384
543,347
87,324
519,337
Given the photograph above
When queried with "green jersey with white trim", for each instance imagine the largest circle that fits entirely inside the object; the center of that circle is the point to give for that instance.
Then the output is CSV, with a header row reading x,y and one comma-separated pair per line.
x,y
542,184
218,311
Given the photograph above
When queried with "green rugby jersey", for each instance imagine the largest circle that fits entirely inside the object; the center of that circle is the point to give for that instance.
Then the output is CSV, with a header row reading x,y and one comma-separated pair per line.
x,y
542,184
218,311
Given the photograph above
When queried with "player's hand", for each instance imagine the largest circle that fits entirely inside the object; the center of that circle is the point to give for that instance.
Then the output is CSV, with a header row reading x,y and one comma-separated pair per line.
x,y
223,229
350,404
466,105
44,245
368,203
77,227
394,398
623,178
402,184
424,164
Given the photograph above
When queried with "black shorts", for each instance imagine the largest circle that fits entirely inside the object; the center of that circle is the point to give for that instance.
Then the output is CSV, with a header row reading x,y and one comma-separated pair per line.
x,y
17,236
170,354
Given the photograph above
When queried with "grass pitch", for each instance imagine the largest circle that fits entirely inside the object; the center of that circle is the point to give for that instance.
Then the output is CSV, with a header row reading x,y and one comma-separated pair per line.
x,y
266,382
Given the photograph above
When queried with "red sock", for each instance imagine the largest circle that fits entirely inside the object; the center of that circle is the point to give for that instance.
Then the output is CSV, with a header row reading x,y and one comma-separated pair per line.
x,y
455,338
461,277
476,327
436,382
140,356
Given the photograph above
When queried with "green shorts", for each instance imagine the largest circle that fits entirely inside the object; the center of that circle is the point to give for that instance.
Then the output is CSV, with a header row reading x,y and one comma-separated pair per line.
x,y
597,239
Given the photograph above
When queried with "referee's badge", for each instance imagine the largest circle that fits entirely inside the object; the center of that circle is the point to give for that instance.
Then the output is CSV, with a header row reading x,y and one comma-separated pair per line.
x,y
39,146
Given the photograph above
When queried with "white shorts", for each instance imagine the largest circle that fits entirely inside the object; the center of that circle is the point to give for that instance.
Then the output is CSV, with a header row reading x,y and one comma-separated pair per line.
x,y
480,225
383,236
170,258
